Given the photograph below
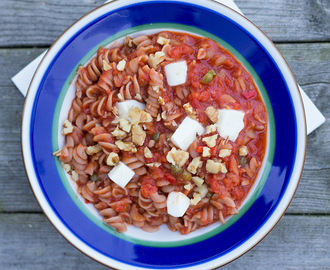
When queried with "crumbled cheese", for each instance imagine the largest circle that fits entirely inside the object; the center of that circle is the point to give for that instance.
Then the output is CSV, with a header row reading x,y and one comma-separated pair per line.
x,y
126,146
190,110
155,59
57,153
224,153
164,115
129,42
163,41
119,134
121,65
68,127
206,152
113,159
243,151
67,167
116,120
158,118
151,143
138,135
197,180
174,124
74,176
91,150
202,190
161,101
212,114
138,116
215,167
156,88
210,140
194,165
120,96
125,124
147,152
177,157
211,129
154,164
138,97
197,198
106,66
188,186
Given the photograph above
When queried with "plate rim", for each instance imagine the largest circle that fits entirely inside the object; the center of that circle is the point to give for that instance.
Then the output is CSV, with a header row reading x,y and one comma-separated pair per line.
x,y
281,207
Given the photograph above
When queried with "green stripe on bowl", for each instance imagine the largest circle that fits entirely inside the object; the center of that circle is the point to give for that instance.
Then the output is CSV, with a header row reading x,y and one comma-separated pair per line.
x,y
268,159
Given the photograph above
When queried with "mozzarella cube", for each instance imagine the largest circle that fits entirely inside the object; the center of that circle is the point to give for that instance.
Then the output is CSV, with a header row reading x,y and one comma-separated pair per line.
x,y
185,134
230,123
177,204
124,106
176,73
121,174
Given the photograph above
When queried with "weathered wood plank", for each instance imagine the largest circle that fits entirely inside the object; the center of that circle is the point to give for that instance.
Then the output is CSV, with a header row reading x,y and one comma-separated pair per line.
x,y
310,64
15,191
39,23
29,241
295,20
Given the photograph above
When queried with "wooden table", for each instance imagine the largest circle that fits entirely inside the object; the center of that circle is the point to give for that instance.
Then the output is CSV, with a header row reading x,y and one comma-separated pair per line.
x,y
301,240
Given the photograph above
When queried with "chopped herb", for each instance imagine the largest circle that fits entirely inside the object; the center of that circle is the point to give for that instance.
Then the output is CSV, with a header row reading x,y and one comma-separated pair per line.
x,y
94,177
175,169
243,160
209,195
155,137
208,76
186,176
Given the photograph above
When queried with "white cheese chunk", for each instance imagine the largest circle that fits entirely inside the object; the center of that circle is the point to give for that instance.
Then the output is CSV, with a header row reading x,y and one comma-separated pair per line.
x,y
124,106
176,73
177,204
230,123
121,174
185,134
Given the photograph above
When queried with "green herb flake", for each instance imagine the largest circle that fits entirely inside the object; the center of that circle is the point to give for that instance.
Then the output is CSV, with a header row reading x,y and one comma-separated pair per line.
x,y
155,137
94,177
208,76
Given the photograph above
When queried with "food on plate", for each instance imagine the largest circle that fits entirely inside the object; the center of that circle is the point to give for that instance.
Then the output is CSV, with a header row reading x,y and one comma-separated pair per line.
x,y
167,128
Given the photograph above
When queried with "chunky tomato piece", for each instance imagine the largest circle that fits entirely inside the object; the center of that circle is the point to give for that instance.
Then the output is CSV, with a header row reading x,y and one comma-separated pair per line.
x,y
175,52
170,178
148,186
237,193
199,149
249,94
216,186
204,96
119,207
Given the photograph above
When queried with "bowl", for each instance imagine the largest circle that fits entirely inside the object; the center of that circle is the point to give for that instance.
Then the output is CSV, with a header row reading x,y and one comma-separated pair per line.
x,y
49,99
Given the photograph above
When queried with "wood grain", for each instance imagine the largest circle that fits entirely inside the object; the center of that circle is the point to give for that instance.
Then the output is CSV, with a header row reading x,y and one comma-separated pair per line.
x,y
44,248
39,23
